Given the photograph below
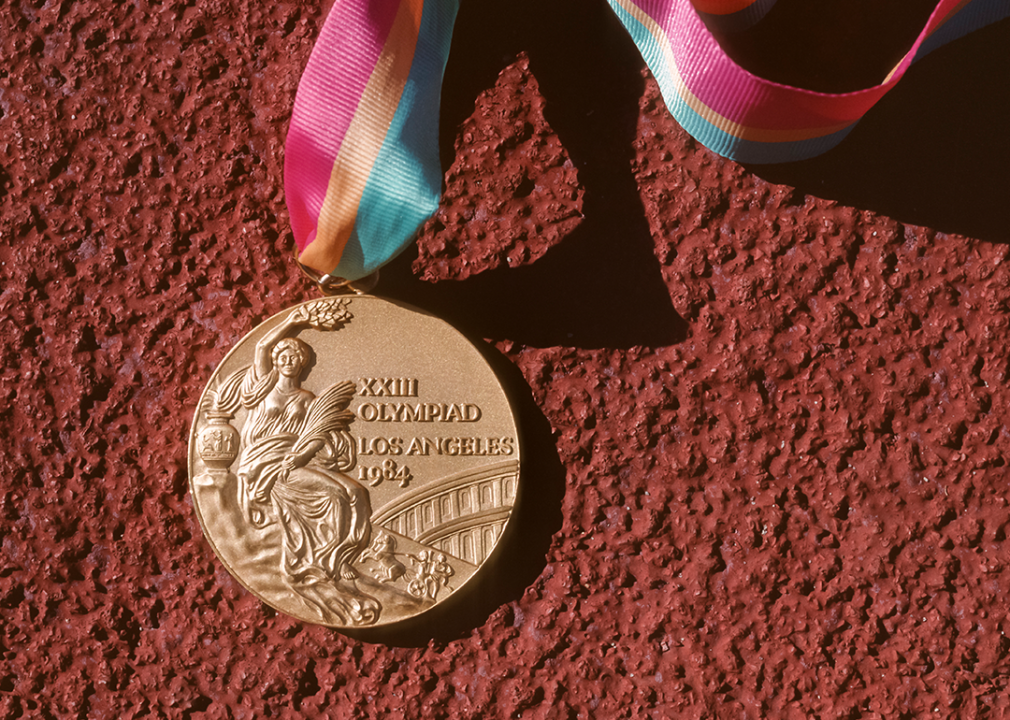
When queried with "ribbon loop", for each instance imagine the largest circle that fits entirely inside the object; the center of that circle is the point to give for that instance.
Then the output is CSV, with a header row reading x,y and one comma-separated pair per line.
x,y
362,166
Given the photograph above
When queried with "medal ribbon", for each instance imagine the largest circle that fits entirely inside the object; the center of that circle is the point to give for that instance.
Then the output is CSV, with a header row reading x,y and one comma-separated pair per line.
x,y
362,169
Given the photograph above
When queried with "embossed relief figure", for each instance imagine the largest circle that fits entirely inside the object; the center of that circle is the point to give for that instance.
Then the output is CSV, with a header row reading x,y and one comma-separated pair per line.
x,y
296,448
292,473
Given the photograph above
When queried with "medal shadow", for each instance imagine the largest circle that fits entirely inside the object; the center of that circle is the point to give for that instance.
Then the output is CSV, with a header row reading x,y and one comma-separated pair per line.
x,y
933,152
521,553
601,286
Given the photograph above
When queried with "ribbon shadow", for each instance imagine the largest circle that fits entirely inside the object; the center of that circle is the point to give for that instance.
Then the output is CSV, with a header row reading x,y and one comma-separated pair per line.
x,y
934,151
602,285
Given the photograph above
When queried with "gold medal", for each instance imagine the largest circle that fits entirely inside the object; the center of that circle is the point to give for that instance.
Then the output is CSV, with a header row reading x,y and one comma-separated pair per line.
x,y
353,461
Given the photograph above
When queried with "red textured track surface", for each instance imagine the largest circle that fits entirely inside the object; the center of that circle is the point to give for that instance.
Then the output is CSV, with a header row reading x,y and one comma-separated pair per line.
x,y
767,407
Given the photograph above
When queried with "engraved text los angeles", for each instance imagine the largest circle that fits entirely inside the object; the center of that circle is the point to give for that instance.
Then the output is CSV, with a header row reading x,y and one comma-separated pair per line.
x,y
353,461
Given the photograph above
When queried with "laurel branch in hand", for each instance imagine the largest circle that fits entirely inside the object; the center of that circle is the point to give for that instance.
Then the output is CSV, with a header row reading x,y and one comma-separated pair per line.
x,y
324,314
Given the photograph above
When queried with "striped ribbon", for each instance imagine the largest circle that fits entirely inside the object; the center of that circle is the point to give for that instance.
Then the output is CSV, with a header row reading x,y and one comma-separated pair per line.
x,y
362,168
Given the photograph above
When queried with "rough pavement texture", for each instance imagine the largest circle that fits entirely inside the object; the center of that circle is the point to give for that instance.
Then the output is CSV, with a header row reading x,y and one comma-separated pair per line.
x,y
766,407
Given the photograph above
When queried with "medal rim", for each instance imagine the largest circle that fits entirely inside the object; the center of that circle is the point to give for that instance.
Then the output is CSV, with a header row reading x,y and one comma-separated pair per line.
x,y
491,560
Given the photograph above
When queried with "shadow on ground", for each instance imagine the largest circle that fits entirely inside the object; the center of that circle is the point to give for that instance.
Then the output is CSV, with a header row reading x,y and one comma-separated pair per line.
x,y
521,553
602,285
934,151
